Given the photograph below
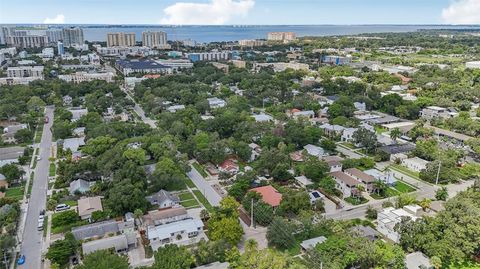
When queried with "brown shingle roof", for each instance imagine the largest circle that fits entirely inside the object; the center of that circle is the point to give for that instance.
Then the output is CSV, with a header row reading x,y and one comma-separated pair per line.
x,y
348,180
366,178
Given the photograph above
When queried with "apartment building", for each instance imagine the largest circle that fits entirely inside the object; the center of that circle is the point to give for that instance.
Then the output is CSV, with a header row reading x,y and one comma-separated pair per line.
x,y
120,39
281,36
155,39
25,71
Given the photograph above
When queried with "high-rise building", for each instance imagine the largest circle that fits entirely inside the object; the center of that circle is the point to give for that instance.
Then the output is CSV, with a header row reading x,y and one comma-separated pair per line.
x,y
120,39
73,36
54,35
5,32
281,36
60,48
155,39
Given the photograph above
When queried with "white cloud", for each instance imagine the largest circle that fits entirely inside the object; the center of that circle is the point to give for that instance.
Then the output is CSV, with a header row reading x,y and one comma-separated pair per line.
x,y
214,13
59,19
462,12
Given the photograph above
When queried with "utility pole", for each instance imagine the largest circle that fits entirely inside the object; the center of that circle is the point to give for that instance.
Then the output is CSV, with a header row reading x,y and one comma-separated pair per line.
x,y
438,172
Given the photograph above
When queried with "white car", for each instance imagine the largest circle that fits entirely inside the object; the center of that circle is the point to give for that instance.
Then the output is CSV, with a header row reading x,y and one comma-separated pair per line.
x,y
61,207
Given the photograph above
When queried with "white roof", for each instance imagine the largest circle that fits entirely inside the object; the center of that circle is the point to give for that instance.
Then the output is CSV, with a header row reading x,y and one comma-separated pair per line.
x,y
303,180
311,243
164,231
314,150
73,143
262,117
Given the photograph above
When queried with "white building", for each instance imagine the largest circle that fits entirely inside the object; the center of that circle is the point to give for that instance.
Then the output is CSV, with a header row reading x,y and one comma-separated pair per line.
x,y
155,39
188,232
387,176
48,53
315,151
345,183
79,77
25,71
415,164
17,81
472,65
433,112
262,118
175,108
216,102
281,36
280,67
176,64
389,217
303,181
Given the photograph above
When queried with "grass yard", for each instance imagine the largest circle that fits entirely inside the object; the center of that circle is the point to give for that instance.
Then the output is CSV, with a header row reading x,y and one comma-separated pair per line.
x,y
200,169
189,203
52,170
190,183
390,192
402,187
203,200
356,201
71,203
406,171
14,192
185,196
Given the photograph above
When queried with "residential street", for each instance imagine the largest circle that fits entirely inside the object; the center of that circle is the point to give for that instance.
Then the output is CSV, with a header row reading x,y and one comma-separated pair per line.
x,y
202,185
32,239
138,109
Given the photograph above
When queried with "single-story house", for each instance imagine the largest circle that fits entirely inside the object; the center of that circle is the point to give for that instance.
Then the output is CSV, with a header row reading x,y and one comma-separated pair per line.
x,y
77,112
86,206
367,232
315,196
262,118
73,144
417,260
269,195
216,102
163,199
415,164
332,130
10,155
397,148
79,185
95,230
175,108
303,181
215,265
296,156
120,243
311,243
256,150
315,151
389,217
229,166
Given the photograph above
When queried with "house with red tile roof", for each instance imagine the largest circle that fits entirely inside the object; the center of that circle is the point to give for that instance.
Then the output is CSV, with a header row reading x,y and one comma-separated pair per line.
x,y
269,195
229,166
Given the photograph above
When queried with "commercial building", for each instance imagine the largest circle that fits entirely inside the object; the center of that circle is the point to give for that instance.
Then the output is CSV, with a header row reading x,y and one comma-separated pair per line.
x,y
176,64
120,39
281,36
18,81
60,48
128,67
125,51
155,39
79,77
25,71
336,60
73,36
210,56
251,43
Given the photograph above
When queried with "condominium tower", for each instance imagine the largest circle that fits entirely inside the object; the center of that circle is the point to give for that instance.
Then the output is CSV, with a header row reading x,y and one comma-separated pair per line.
x,y
120,39
155,39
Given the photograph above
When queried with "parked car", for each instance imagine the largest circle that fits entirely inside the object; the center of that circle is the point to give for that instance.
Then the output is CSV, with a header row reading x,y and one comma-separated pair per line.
x,y
61,207
40,225
21,260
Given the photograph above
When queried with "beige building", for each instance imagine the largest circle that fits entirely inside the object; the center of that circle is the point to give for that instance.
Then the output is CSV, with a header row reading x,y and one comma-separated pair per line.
x,y
281,36
86,206
120,39
84,76
251,43
155,39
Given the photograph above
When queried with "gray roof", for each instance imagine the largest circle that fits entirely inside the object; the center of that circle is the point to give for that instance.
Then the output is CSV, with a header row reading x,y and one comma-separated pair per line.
x,y
119,243
73,143
161,196
10,153
366,231
311,243
95,229
398,148
417,260
215,265
79,185
141,64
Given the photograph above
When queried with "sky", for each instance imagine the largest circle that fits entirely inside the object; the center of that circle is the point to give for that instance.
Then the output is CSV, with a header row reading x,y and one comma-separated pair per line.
x,y
245,12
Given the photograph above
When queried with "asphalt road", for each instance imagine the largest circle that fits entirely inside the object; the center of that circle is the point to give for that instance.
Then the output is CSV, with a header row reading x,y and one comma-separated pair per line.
x,y
138,109
202,185
32,239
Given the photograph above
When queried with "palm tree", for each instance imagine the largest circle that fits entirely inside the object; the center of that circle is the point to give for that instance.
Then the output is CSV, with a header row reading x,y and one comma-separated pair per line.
x,y
395,134
425,203
204,215
379,186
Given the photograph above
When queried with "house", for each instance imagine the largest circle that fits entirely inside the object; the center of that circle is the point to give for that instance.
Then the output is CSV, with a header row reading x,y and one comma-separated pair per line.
x,y
175,108
415,164
332,130
311,243
334,162
100,229
79,186
315,151
296,156
262,118
346,184
73,144
361,106
163,199
386,177
120,243
417,260
229,166
86,206
79,131
397,148
403,126
366,231
269,195
77,112
188,231
10,155
389,217
216,102
256,150
9,132
366,179
309,114
315,196
435,112
215,265
303,181
164,216
347,135
3,182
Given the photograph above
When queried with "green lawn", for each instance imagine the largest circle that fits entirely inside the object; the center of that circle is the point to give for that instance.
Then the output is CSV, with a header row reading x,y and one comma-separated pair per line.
x,y
71,203
203,200
45,224
14,192
403,187
190,183
52,170
186,196
356,201
405,171
38,132
390,192
200,169
189,203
